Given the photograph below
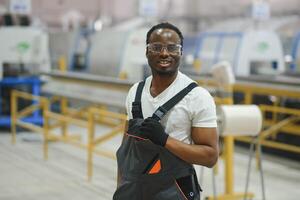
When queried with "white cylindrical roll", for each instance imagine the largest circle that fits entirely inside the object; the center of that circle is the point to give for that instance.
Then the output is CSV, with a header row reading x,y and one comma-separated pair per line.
x,y
239,120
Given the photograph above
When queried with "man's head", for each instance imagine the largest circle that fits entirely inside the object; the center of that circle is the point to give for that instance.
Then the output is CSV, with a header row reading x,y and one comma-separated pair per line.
x,y
165,25
164,49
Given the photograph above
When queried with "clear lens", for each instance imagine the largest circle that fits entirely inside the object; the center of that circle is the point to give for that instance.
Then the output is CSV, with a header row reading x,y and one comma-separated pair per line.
x,y
171,48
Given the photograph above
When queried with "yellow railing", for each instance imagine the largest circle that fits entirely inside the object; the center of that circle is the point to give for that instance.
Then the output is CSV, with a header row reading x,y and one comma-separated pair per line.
x,y
282,119
286,124
275,123
87,117
40,103
93,141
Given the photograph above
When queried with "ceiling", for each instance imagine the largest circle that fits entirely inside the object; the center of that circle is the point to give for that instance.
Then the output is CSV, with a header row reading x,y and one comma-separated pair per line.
x,y
51,12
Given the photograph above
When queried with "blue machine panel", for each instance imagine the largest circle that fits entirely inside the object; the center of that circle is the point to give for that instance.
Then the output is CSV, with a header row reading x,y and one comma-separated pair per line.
x,y
11,82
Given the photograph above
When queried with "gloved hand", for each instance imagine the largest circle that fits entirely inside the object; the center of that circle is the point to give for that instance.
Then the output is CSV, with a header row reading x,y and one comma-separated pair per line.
x,y
153,130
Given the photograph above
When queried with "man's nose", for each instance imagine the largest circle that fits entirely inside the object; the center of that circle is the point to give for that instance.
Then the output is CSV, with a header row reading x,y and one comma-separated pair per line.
x,y
164,51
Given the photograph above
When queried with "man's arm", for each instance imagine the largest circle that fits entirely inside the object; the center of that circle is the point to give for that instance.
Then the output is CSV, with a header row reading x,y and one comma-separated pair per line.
x,y
204,151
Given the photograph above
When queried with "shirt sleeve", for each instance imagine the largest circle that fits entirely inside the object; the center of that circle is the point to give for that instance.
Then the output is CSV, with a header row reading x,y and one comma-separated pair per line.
x,y
127,105
203,109
129,99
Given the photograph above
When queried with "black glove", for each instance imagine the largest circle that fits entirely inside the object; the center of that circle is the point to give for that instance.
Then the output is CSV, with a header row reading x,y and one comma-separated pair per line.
x,y
153,130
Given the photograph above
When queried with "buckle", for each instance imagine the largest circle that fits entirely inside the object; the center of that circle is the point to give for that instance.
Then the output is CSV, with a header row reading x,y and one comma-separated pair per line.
x,y
159,113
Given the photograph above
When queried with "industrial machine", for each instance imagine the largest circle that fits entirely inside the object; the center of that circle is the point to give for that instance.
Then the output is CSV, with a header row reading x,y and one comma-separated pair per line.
x,y
71,46
249,53
109,52
61,46
24,53
295,65
119,53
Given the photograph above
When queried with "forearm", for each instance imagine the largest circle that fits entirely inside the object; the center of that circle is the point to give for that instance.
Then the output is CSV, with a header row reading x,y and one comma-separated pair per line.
x,y
193,153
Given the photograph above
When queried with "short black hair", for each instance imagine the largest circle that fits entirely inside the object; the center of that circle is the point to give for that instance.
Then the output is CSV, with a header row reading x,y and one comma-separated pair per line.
x,y
165,25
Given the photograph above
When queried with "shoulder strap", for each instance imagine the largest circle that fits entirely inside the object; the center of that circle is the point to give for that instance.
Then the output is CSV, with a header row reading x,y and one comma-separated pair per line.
x,y
162,110
137,105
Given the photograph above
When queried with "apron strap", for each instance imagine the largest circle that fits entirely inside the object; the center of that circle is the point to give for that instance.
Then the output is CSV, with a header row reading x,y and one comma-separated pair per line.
x,y
162,110
137,105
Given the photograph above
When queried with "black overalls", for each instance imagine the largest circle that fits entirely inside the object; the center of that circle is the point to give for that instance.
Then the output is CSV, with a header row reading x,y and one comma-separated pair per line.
x,y
148,171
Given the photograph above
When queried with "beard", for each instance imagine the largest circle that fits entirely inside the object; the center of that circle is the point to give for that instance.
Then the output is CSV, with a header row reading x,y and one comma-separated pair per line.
x,y
164,72
167,72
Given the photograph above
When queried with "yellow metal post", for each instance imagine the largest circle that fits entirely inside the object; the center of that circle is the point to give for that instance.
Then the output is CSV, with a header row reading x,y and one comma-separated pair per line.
x,y
64,110
228,158
46,128
275,115
248,97
229,173
62,64
14,108
123,75
91,131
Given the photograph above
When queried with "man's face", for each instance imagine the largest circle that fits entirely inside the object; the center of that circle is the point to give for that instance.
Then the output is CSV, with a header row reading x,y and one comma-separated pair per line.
x,y
165,61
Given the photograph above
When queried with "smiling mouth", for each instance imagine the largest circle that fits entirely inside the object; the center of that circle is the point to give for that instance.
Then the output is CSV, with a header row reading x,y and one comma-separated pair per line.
x,y
164,63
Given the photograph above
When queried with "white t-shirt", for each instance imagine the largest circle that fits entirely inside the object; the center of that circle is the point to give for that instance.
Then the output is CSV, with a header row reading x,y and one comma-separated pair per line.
x,y
196,109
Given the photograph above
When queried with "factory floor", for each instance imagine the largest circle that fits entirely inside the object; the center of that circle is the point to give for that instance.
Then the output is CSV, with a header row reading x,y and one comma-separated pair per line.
x,y
24,175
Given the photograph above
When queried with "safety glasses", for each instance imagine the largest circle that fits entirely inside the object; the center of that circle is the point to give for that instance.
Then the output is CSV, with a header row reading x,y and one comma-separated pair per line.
x,y
158,47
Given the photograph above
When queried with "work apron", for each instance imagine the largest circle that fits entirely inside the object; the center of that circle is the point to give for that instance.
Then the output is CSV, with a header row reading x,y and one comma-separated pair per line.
x,y
148,171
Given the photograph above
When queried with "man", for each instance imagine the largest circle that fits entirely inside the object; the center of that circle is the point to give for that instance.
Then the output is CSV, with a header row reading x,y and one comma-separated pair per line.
x,y
166,135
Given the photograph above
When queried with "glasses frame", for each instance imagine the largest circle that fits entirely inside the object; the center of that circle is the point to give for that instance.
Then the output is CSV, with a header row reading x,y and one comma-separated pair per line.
x,y
165,46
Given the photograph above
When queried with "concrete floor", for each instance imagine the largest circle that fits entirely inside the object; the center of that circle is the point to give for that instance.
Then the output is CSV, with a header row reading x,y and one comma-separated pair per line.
x,y
24,175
